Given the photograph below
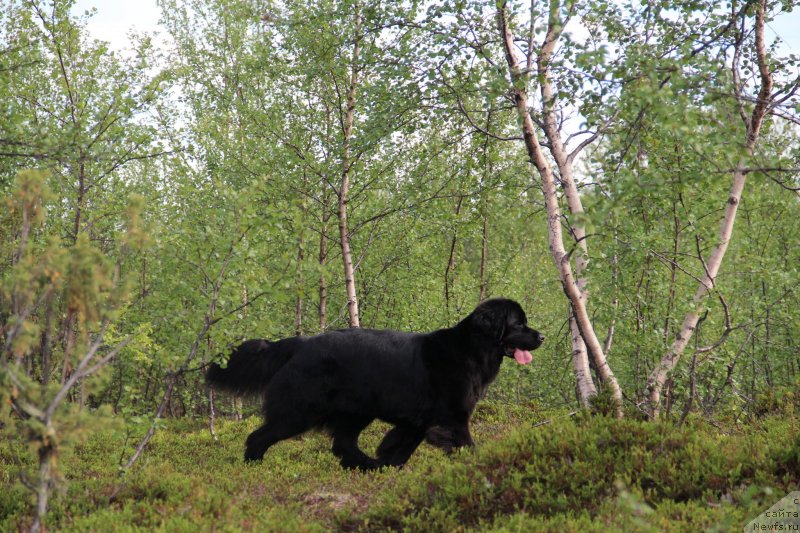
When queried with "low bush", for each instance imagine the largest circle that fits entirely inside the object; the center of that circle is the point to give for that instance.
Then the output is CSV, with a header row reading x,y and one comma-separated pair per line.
x,y
532,470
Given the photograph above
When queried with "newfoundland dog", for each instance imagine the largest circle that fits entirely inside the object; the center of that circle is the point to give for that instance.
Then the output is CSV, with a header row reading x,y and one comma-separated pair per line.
x,y
425,384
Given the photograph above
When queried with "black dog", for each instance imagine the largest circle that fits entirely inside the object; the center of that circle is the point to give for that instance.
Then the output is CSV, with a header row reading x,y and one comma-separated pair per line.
x,y
425,384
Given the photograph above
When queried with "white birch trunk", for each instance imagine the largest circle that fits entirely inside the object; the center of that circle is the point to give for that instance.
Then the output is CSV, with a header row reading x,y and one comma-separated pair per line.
x,y
659,375
347,255
580,357
555,238
580,364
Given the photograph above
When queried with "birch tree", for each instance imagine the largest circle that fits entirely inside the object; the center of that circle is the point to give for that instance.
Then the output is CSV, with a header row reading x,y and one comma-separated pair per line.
x,y
574,282
764,101
344,187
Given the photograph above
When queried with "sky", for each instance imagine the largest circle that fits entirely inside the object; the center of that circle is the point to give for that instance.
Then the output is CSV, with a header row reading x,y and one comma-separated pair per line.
x,y
115,18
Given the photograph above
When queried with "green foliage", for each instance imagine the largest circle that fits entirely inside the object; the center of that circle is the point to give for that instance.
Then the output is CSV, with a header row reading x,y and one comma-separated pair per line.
x,y
603,403
782,401
602,470
572,473
78,275
184,198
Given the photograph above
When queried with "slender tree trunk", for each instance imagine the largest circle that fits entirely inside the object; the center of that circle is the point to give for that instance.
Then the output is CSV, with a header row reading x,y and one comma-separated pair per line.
x,y
670,360
614,283
754,373
81,196
347,255
580,358
449,270
323,257
237,408
669,396
17,306
673,267
767,341
47,341
69,335
165,399
642,360
212,413
659,375
580,364
487,172
484,255
46,459
301,254
69,341
692,390
568,280
298,310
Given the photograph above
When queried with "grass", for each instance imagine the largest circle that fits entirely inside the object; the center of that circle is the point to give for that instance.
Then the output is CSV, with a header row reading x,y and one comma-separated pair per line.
x,y
575,474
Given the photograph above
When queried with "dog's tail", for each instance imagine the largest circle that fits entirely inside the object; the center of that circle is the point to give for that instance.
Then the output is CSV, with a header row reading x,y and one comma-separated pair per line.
x,y
250,367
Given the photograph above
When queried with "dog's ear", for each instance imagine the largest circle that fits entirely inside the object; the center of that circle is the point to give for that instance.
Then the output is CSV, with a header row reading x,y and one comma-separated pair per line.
x,y
490,319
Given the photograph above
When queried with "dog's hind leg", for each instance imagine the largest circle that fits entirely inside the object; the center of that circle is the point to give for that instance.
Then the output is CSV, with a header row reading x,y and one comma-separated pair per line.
x,y
398,445
275,430
345,433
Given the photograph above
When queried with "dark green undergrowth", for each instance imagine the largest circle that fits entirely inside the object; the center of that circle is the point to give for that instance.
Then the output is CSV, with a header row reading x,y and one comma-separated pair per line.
x,y
576,473
592,473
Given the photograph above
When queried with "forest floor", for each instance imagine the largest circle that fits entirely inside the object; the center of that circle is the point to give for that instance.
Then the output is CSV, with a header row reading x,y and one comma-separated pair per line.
x,y
533,470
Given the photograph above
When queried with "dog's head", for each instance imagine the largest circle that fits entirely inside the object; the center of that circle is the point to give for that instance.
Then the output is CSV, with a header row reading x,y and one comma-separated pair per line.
x,y
504,322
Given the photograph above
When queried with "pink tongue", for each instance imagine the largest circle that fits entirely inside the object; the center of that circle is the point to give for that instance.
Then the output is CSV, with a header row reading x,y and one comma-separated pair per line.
x,y
523,357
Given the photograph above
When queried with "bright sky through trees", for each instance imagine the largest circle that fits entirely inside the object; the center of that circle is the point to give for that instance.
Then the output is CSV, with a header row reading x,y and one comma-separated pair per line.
x,y
115,18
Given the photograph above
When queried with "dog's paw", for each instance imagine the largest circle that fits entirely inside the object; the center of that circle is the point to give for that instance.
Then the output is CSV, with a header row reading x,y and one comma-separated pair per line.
x,y
364,464
253,456
449,439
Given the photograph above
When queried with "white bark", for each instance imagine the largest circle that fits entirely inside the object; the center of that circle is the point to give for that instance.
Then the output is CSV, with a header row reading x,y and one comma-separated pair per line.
x,y
669,361
580,364
347,254
555,238
580,360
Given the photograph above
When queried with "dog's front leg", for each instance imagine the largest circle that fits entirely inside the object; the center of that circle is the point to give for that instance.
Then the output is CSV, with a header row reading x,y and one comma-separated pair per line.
x,y
398,445
450,437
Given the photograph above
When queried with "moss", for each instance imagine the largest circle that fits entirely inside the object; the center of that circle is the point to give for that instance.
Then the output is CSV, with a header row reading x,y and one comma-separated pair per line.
x,y
577,473
575,468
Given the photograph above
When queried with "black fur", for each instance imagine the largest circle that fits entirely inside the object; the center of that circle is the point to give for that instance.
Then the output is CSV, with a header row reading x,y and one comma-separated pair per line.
x,y
250,367
425,384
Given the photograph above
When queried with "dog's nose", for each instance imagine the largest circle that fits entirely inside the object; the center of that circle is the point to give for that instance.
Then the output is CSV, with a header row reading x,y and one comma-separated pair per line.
x,y
541,337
